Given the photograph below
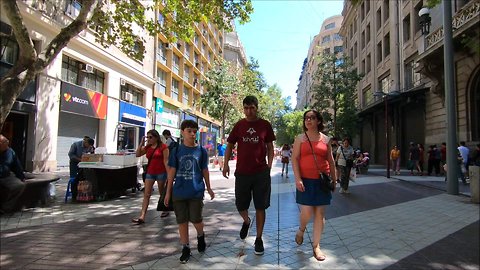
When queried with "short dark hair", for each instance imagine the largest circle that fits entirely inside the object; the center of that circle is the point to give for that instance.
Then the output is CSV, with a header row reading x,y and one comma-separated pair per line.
x,y
250,100
462,143
319,118
91,141
188,124
348,139
166,132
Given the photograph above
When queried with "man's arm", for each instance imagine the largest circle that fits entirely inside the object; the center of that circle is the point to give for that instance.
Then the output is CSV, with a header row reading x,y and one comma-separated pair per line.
x,y
270,152
226,159
72,154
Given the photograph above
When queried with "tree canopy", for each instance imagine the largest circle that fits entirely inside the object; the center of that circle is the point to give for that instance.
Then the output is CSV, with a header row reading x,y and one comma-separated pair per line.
x,y
112,23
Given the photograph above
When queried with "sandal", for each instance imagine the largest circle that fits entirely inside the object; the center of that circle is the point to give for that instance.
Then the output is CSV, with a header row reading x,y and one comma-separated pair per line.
x,y
299,236
165,214
318,254
138,221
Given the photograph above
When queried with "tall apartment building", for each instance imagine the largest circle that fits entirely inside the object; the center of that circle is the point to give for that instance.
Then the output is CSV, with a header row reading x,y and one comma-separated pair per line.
x,y
180,67
101,92
386,42
327,41
234,51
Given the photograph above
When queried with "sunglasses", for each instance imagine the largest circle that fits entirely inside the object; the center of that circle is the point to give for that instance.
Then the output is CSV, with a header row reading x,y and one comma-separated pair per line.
x,y
310,118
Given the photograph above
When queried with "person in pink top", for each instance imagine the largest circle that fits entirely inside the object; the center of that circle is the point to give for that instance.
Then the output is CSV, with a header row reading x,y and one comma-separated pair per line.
x,y
312,155
157,155
254,138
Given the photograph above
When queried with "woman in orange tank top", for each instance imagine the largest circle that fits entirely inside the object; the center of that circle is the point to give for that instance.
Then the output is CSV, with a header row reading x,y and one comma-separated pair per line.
x,y
307,169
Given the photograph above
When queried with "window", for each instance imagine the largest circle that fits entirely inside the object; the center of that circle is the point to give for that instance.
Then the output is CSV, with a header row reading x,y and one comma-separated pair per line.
x,y
195,81
386,45
162,53
330,26
355,50
367,7
385,84
325,39
363,40
362,11
161,19
337,37
136,92
369,63
367,96
362,67
412,78
74,72
8,51
174,94
338,49
161,81
326,51
186,73
368,33
386,10
187,50
185,95
406,28
176,63
379,52
417,18
351,31
379,19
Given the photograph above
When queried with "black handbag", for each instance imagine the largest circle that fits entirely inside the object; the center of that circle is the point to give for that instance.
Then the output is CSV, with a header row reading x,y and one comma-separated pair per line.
x,y
160,205
326,184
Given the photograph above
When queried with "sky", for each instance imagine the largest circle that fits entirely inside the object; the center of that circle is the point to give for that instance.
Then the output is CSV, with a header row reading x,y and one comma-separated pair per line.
x,y
279,35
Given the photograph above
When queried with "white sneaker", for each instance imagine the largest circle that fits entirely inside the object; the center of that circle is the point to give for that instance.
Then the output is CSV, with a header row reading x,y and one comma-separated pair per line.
x,y
341,190
346,191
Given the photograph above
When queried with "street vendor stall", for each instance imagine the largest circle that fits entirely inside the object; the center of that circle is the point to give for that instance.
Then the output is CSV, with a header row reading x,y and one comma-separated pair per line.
x,y
113,176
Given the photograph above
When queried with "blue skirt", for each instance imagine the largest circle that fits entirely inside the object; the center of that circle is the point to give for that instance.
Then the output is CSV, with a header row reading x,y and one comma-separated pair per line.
x,y
313,195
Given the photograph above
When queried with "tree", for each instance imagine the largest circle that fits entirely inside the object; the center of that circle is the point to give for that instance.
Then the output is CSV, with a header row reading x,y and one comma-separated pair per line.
x,y
113,27
293,125
223,94
334,93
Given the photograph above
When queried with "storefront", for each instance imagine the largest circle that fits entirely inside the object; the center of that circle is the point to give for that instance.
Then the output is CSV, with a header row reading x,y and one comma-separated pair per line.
x,y
80,112
167,118
131,126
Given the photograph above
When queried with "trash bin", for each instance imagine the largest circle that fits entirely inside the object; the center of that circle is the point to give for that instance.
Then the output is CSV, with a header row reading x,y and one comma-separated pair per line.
x,y
474,175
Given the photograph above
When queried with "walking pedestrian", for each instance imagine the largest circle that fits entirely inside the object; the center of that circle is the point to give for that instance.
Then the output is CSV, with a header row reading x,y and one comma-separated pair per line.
x,y
221,147
465,152
414,157
345,160
421,157
286,153
312,154
188,166
157,154
443,159
254,138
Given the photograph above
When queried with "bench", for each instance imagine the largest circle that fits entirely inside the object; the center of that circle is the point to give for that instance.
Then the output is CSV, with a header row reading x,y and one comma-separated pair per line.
x,y
37,186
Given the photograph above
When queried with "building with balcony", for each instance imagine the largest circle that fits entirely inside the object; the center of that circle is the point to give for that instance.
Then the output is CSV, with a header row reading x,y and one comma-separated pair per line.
x,y
386,42
327,41
87,90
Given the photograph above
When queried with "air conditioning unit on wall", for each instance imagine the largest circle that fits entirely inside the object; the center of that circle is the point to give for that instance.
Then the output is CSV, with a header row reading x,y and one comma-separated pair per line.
x,y
168,46
88,68
123,82
127,96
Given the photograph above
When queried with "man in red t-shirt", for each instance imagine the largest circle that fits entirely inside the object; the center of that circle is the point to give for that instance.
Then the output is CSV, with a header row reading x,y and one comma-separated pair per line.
x,y
254,138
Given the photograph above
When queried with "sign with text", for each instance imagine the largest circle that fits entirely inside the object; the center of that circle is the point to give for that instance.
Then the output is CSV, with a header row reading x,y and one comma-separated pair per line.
x,y
81,101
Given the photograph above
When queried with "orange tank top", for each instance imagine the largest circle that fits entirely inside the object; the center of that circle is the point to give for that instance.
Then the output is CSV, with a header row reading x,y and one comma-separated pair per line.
x,y
308,169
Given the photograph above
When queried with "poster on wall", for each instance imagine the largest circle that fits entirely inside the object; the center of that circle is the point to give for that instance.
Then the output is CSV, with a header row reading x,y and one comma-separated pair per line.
x,y
208,141
81,101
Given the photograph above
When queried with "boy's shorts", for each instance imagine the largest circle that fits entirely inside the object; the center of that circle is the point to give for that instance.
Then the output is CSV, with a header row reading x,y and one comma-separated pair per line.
x,y
188,210
259,184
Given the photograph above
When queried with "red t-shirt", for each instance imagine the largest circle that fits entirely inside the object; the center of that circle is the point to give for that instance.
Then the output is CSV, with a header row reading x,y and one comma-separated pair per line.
x,y
252,137
156,165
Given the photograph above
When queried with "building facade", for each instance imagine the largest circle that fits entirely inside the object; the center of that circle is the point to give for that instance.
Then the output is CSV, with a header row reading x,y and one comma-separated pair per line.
x,y
386,43
234,51
89,90
327,41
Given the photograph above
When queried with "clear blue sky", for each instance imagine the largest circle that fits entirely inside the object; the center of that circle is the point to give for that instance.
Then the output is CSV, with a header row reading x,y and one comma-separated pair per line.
x,y
279,34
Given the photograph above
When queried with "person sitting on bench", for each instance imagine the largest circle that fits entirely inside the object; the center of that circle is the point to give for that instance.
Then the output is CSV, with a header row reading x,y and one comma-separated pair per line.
x,y
12,179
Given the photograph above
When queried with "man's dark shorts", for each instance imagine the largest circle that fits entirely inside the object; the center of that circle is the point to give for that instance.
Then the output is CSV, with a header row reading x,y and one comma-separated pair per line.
x,y
259,184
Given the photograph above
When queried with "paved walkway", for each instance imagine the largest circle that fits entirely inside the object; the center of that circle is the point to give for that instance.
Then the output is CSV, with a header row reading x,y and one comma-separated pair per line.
x,y
383,224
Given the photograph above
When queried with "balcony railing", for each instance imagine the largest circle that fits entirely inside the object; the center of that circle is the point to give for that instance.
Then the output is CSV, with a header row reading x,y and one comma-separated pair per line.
x,y
468,13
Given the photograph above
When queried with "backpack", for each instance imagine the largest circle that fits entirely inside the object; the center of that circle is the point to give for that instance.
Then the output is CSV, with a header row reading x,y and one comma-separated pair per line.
x,y
173,145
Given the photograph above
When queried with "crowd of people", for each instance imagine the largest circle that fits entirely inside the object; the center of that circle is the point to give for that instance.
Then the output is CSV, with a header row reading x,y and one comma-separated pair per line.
x,y
182,174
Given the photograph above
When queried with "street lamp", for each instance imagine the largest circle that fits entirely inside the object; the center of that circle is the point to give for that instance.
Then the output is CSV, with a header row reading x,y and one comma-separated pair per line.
x,y
425,20
387,144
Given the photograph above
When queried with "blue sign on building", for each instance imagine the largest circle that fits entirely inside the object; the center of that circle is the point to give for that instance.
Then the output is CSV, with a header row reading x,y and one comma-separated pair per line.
x,y
132,114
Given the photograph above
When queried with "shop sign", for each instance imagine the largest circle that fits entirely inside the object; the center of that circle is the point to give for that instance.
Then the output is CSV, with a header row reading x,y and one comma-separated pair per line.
x,y
132,114
81,101
168,118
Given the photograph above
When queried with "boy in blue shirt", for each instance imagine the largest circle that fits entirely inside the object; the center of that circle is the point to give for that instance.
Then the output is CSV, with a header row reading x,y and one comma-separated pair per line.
x,y
188,164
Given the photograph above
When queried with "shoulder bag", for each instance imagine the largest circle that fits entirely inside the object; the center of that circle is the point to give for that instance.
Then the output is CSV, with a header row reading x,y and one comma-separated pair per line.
x,y
144,174
326,184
